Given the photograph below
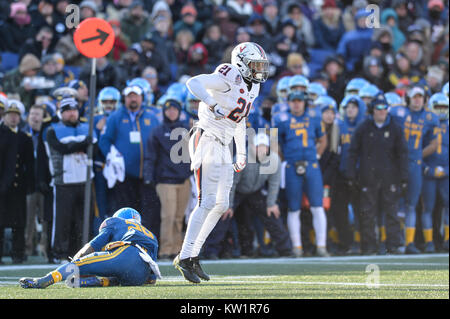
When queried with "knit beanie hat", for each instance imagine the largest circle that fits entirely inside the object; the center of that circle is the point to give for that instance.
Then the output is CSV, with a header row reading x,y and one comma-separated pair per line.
x,y
29,62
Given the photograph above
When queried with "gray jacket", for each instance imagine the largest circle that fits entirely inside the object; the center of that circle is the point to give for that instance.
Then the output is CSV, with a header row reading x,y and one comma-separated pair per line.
x,y
254,177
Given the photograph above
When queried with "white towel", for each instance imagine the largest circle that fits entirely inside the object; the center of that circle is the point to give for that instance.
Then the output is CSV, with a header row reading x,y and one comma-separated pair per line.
x,y
115,167
153,265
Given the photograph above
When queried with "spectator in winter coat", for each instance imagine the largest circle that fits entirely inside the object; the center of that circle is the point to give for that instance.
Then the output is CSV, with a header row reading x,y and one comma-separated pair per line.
x,y
334,69
221,16
328,27
40,45
196,61
405,17
215,44
136,22
240,11
13,81
402,73
258,32
188,21
162,36
304,26
107,74
390,19
355,44
170,177
155,56
271,17
17,28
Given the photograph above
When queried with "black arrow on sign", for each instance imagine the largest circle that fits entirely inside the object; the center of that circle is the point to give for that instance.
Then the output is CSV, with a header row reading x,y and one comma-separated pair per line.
x,y
101,35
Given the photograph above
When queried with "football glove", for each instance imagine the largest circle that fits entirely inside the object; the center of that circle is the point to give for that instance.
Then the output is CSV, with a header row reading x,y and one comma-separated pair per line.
x,y
241,161
218,111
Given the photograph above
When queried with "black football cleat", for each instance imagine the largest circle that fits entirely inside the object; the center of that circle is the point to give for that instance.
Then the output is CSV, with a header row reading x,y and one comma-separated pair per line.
x,y
185,266
198,269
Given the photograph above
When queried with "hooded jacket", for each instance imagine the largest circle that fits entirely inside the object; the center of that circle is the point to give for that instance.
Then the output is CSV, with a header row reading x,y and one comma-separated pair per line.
x,y
398,38
346,130
355,44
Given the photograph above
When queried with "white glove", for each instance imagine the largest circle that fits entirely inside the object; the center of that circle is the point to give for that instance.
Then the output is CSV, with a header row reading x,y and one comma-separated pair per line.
x,y
218,111
241,161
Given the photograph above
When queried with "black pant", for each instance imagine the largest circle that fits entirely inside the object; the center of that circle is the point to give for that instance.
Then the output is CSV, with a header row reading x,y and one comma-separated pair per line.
x,y
13,212
374,199
249,205
341,196
134,194
68,220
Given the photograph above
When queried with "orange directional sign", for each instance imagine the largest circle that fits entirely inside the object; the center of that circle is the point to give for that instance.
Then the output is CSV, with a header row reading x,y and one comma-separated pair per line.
x,y
94,38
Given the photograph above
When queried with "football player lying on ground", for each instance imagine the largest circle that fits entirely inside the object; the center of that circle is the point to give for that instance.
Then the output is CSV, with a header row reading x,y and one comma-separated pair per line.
x,y
226,97
123,253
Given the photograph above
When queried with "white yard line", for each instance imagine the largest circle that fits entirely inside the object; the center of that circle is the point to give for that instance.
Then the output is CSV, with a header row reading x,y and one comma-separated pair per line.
x,y
397,260
266,281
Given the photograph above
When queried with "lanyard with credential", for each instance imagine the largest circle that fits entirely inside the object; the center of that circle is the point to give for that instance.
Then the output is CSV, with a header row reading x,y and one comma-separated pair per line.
x,y
135,135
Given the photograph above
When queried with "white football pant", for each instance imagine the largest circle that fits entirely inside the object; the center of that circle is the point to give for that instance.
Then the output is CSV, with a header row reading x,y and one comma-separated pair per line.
x,y
213,170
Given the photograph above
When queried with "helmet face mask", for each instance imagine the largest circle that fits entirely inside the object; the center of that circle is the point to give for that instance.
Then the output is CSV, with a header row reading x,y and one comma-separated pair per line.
x,y
108,106
252,62
108,99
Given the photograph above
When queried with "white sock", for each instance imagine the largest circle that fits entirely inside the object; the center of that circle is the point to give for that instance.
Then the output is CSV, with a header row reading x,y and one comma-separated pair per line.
x,y
294,226
208,225
320,225
196,220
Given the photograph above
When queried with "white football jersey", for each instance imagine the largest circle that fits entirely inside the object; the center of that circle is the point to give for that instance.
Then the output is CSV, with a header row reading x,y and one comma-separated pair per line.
x,y
228,89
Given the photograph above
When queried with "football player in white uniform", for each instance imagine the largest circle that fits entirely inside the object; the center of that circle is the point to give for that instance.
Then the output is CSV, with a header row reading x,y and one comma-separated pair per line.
x,y
226,97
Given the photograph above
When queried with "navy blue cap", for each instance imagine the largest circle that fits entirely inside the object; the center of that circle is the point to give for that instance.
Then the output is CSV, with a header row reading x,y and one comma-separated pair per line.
x,y
173,103
379,102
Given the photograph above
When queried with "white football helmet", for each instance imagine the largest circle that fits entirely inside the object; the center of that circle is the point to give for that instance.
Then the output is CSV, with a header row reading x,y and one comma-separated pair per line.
x,y
251,60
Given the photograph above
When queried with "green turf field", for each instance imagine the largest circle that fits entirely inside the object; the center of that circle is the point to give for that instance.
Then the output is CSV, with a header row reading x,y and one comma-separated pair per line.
x,y
421,276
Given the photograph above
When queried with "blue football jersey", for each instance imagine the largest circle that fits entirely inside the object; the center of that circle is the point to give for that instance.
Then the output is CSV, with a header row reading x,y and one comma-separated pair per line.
x,y
418,127
440,157
298,134
119,229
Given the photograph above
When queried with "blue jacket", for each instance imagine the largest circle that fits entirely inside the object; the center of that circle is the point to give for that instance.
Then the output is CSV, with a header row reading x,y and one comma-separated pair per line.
x,y
158,165
327,38
66,145
354,45
119,132
346,130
